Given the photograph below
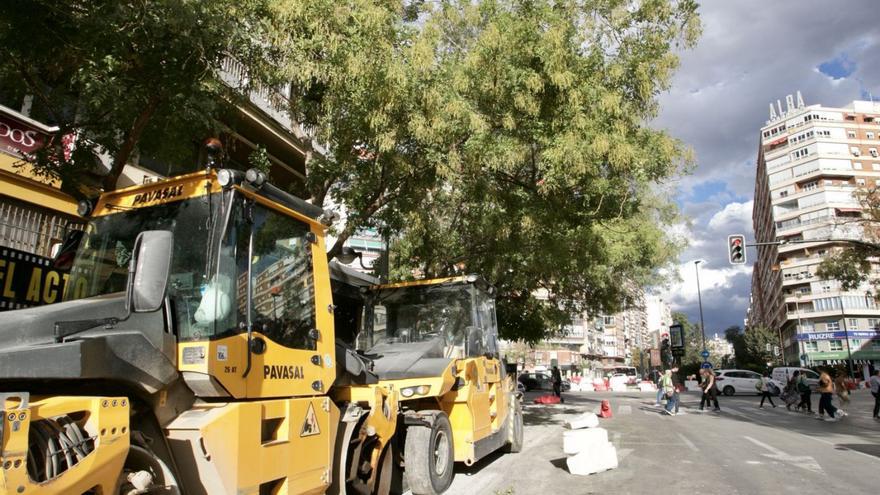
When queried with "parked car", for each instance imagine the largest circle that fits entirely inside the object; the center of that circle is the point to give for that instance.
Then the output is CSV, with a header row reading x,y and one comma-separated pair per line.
x,y
781,374
731,382
536,381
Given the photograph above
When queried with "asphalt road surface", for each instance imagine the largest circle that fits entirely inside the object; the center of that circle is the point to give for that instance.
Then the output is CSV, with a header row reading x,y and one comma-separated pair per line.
x,y
742,449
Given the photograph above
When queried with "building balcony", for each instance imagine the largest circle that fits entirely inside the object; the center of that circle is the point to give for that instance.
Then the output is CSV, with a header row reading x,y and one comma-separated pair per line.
x,y
273,102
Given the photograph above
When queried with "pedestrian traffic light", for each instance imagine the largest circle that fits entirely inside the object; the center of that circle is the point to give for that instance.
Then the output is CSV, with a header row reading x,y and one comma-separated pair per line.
x,y
736,249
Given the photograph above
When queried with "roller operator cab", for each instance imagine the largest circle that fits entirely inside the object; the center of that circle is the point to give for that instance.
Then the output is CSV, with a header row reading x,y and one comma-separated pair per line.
x,y
436,343
194,352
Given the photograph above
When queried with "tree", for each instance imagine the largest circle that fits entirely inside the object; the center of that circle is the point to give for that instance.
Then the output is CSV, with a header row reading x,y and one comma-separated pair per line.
x,y
854,264
127,78
734,335
504,136
760,342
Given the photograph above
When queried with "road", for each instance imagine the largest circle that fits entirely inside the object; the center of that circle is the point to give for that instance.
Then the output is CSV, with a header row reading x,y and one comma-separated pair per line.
x,y
743,449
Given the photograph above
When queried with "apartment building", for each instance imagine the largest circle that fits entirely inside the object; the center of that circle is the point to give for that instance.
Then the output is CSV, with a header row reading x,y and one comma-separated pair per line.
x,y
811,161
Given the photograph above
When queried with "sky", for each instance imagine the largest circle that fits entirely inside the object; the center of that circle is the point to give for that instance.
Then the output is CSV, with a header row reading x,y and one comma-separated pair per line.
x,y
751,53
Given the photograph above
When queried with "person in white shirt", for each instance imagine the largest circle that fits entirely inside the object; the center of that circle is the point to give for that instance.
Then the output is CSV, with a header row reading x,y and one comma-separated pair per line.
x,y
764,388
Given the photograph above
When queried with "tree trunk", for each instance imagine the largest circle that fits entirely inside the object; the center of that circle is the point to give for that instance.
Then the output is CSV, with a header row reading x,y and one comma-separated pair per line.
x,y
128,144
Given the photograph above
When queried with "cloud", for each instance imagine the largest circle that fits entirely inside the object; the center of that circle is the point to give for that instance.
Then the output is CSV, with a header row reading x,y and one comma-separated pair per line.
x,y
752,53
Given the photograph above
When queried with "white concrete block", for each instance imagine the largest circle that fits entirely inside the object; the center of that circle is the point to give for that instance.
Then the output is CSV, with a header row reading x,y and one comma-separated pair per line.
x,y
647,387
618,387
576,441
692,384
594,460
585,420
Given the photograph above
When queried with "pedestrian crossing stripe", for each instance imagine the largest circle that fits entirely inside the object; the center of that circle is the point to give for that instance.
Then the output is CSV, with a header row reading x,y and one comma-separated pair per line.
x,y
310,424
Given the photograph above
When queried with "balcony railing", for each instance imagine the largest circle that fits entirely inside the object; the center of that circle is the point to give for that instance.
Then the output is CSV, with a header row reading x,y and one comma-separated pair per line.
x,y
273,102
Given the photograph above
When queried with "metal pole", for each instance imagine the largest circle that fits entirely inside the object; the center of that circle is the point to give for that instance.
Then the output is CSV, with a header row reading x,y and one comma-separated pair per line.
x,y
852,373
700,301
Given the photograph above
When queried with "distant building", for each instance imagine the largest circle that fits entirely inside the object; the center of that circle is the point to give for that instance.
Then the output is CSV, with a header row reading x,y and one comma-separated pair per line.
x,y
719,346
811,161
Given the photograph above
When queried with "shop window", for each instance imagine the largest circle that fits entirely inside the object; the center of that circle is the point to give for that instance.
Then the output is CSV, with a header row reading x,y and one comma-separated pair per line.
x,y
836,344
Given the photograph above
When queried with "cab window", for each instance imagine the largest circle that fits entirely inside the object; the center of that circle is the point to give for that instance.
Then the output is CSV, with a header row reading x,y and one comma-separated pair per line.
x,y
281,274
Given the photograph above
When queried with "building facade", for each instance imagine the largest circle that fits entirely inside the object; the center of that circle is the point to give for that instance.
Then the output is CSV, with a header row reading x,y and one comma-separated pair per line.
x,y
812,160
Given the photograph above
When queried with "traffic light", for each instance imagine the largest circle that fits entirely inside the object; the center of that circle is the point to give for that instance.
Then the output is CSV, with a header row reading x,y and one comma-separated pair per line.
x,y
736,249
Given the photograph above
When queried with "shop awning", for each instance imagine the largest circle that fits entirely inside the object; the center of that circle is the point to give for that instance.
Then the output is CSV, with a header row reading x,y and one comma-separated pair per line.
x,y
36,193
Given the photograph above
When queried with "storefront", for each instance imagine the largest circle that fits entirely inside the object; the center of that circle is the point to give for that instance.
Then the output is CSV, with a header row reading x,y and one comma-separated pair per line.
x,y
34,216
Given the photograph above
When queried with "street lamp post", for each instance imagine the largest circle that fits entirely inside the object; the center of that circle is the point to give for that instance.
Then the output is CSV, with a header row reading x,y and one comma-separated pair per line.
x,y
700,301
852,373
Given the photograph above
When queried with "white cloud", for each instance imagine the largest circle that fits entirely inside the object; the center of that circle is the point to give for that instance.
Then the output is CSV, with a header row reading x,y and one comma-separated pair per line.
x,y
735,217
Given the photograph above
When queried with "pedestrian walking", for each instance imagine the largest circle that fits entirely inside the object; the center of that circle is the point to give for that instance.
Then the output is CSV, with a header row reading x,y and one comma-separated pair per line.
x,y
841,389
826,389
875,391
790,395
657,378
763,386
678,387
806,403
556,379
668,388
710,389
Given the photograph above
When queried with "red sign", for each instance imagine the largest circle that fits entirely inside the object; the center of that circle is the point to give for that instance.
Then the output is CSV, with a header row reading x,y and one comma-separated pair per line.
x,y
19,138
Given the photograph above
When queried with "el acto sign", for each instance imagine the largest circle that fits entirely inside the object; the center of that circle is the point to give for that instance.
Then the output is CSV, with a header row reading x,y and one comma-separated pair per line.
x,y
28,280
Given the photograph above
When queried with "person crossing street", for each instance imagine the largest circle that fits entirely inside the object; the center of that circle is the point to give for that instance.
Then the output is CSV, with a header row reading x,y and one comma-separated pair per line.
x,y
763,386
875,391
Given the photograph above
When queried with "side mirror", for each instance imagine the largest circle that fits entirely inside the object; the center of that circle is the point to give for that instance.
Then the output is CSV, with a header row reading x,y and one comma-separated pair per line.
x,y
148,271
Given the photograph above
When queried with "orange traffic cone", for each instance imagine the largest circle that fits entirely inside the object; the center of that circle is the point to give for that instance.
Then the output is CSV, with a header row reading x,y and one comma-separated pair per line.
x,y
605,410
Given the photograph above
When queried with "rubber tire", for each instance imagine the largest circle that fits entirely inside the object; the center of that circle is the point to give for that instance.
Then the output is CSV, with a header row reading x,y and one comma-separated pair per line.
x,y
515,428
418,457
728,391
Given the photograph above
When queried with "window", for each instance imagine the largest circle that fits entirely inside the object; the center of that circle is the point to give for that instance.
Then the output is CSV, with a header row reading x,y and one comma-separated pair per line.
x,y
608,320
811,346
857,165
855,343
855,151
823,133
860,182
800,153
873,324
836,344
832,326
809,186
869,135
873,152
828,182
875,345
853,323
851,134
875,166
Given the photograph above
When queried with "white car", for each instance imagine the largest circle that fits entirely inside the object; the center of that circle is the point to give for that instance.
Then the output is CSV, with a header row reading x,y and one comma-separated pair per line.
x,y
732,382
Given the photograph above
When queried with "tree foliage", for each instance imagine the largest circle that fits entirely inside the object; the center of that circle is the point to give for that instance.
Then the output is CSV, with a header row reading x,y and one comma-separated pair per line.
x,y
126,77
507,137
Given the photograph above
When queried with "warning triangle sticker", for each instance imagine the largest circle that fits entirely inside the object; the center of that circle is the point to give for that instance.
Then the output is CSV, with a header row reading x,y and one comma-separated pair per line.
x,y
310,425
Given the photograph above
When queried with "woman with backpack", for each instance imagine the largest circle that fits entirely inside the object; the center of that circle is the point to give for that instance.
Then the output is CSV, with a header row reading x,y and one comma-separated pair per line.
x,y
804,388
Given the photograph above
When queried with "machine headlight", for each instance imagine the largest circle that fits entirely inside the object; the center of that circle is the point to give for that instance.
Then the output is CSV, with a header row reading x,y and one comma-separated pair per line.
x,y
408,392
84,208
